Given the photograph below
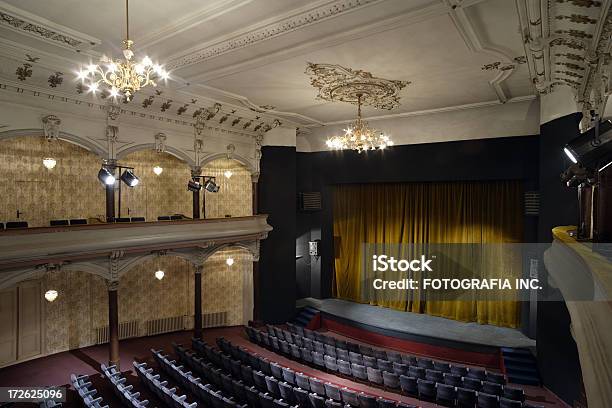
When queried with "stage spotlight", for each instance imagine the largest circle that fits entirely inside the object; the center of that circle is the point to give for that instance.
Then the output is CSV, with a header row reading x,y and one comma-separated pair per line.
x,y
576,175
129,178
592,149
211,186
194,185
106,177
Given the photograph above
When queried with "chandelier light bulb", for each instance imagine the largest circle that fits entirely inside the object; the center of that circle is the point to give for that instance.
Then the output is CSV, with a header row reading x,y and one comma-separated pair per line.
x,y
51,295
159,274
93,87
228,174
229,261
49,162
158,170
146,61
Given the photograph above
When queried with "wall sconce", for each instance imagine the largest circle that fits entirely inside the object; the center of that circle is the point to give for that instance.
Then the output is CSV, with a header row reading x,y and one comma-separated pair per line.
x,y
229,261
228,174
159,274
49,162
158,170
51,295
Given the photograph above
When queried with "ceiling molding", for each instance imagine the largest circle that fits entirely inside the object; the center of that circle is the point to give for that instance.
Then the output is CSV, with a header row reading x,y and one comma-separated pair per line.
x,y
568,43
411,17
273,27
246,102
199,17
475,44
434,111
34,26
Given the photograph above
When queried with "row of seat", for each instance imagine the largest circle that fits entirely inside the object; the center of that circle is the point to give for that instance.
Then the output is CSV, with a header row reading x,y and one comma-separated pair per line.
x,y
426,384
159,387
82,386
211,392
13,225
281,382
124,392
59,223
385,360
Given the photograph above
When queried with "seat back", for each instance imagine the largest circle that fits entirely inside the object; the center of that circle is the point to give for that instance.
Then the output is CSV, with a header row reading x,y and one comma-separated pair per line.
x,y
390,380
332,392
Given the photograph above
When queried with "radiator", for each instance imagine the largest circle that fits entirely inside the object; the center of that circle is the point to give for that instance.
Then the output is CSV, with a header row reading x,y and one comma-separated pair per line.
x,y
214,319
126,330
165,325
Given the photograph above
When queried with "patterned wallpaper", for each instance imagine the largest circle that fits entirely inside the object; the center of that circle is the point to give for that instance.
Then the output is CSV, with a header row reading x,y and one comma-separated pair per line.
x,y
72,190
235,195
82,304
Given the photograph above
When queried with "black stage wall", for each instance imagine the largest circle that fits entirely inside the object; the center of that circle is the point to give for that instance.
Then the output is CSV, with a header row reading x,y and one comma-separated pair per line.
x,y
512,158
277,253
557,353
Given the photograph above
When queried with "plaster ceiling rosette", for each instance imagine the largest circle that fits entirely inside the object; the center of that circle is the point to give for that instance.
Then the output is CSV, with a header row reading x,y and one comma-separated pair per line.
x,y
337,83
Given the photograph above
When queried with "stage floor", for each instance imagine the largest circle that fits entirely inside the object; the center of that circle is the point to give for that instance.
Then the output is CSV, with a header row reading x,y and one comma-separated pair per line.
x,y
421,325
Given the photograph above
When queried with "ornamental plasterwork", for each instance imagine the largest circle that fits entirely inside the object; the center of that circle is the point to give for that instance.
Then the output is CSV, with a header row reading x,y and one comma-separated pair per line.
x,y
274,29
337,83
51,127
576,51
44,32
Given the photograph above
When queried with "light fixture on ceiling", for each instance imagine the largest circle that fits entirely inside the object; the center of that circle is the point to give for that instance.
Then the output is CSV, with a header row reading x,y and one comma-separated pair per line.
x,y
359,136
122,78
158,170
49,162
229,261
129,178
106,176
228,174
51,295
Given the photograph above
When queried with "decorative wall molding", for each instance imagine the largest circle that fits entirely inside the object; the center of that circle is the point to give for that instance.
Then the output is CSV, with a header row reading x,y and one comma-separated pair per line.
x,y
34,26
279,25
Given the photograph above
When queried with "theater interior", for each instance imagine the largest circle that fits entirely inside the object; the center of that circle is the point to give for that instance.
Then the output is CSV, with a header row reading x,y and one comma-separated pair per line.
x,y
306,203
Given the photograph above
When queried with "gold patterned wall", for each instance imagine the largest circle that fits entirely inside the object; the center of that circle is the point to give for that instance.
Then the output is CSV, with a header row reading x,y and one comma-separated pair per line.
x,y
70,190
155,195
82,305
235,195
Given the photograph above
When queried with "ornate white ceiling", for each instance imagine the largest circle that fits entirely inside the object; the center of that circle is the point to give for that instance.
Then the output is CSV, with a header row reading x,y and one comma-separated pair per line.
x,y
251,55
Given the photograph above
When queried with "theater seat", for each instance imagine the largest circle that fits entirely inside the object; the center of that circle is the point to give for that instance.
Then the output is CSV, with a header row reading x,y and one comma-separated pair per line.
x,y
359,372
302,381
349,397
344,367
316,401
390,380
433,375
508,403
512,393
427,390
466,398
286,392
409,385
332,392
487,400
445,395
367,401
317,387
453,379
491,388
374,375
385,403
301,396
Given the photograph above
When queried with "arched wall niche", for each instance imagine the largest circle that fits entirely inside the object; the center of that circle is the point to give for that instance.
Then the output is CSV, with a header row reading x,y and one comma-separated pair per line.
x,y
235,194
85,143
70,190
179,154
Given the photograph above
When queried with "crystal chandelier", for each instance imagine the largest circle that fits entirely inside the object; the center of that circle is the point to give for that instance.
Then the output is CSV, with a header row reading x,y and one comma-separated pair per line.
x,y
359,136
122,78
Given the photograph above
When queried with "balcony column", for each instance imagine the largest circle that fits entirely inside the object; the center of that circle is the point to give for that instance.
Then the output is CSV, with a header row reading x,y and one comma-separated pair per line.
x,y
254,188
195,171
197,317
113,324
110,192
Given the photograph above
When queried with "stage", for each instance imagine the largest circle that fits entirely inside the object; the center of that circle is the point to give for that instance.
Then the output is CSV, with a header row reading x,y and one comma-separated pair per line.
x,y
430,334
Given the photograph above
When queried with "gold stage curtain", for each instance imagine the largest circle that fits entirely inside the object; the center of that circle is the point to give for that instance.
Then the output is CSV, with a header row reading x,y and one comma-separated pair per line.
x,y
419,213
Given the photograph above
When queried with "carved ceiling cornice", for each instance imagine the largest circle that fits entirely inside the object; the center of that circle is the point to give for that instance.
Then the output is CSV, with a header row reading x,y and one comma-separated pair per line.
x,y
31,25
271,28
567,43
